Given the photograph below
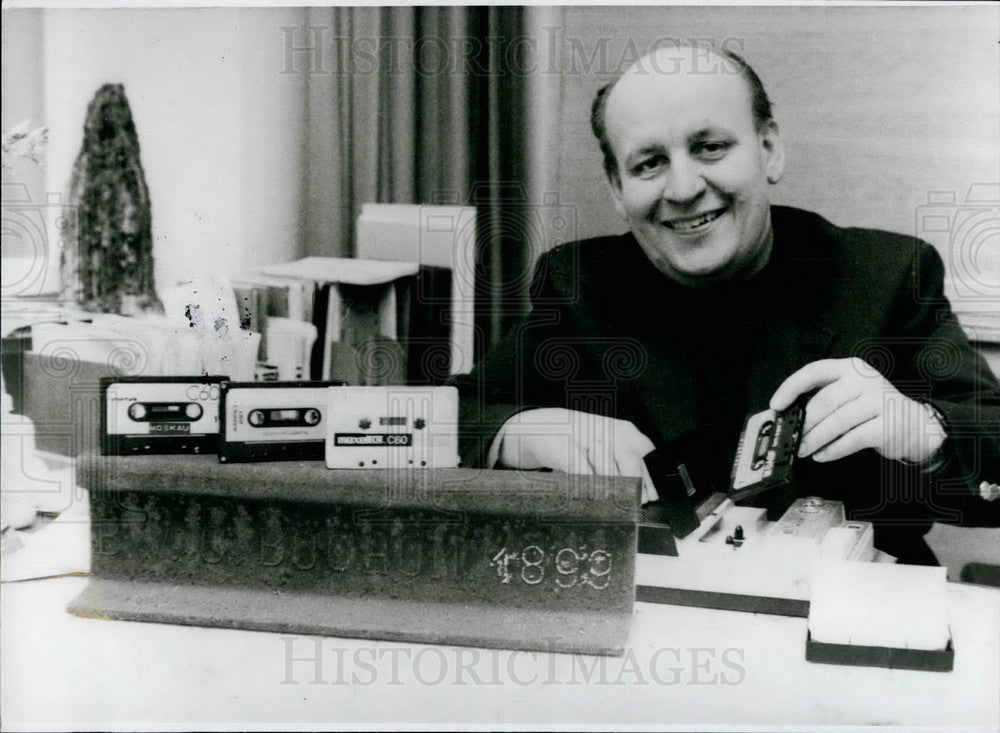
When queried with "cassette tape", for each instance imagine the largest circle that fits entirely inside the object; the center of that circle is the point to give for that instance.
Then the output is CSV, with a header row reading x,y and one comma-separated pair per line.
x,y
273,421
160,414
767,450
809,518
392,427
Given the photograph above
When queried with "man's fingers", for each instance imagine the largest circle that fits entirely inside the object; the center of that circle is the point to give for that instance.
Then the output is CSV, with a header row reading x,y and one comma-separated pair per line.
x,y
814,375
648,490
624,448
628,459
602,458
828,400
595,436
866,435
578,461
629,464
632,464
837,423
631,441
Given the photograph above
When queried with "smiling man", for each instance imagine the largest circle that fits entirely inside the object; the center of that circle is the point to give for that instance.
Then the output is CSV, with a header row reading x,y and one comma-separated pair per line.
x,y
689,163
718,304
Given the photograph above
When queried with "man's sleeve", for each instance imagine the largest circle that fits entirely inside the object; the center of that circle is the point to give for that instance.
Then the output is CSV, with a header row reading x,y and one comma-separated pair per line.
x,y
511,377
962,389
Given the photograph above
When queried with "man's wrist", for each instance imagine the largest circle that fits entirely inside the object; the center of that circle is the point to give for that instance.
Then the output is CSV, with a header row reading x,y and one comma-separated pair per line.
x,y
934,432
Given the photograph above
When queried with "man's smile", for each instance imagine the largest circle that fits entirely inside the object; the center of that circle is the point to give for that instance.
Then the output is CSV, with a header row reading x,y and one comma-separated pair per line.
x,y
694,223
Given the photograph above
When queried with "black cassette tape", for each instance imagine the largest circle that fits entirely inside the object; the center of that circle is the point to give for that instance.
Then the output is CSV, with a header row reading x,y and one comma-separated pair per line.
x,y
767,451
274,421
160,414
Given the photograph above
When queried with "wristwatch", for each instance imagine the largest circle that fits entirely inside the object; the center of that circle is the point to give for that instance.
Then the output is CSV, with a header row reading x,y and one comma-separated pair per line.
x,y
937,459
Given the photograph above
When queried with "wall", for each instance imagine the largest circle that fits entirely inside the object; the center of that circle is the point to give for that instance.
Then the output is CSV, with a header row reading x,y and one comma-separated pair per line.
x,y
23,83
220,127
878,106
23,88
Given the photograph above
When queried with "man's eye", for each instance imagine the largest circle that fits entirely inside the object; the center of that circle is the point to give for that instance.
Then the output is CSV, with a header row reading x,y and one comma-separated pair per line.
x,y
712,150
648,165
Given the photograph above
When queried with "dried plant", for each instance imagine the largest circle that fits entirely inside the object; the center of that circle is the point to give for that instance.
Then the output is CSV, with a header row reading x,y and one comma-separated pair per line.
x,y
108,263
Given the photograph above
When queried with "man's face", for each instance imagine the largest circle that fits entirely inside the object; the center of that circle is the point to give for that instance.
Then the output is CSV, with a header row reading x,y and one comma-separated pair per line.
x,y
693,169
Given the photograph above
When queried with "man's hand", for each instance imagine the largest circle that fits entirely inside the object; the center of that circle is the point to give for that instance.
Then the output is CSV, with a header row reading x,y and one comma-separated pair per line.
x,y
857,408
576,442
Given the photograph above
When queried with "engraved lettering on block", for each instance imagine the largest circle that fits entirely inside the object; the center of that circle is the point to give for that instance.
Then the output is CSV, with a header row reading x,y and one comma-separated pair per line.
x,y
375,552
271,545
304,553
339,544
213,545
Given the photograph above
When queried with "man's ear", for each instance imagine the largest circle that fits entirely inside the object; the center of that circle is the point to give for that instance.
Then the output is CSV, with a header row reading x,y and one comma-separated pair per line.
x,y
773,151
615,188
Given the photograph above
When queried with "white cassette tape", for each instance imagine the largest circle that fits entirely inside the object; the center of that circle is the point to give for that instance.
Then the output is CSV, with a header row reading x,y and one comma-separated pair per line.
x,y
146,415
392,427
273,421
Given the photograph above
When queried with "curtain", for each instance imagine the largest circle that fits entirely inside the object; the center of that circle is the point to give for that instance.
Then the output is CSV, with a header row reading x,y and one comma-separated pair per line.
x,y
419,105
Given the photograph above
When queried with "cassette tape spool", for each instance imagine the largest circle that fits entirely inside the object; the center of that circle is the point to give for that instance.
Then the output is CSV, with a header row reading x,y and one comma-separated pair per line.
x,y
767,450
392,427
273,421
160,414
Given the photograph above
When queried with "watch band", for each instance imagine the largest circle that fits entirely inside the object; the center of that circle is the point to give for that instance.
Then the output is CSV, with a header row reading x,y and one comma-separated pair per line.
x,y
936,460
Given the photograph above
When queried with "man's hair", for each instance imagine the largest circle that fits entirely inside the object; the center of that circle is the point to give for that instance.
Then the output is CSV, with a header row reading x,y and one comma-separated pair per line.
x,y
759,103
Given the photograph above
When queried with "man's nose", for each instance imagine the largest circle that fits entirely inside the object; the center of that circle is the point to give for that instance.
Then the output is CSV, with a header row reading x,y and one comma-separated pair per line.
x,y
683,183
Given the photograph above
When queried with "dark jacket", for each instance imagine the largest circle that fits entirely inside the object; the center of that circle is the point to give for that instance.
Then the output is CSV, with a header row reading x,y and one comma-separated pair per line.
x,y
605,326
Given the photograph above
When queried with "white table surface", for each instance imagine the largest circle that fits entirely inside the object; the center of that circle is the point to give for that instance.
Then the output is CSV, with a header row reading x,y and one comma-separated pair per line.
x,y
684,666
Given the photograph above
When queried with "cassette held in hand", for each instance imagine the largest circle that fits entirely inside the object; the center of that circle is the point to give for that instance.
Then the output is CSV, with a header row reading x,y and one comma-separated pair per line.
x,y
768,447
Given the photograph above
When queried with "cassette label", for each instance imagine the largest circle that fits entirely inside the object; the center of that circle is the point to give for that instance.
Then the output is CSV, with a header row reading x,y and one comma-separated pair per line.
x,y
273,421
160,414
392,427
170,428
767,450
382,439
